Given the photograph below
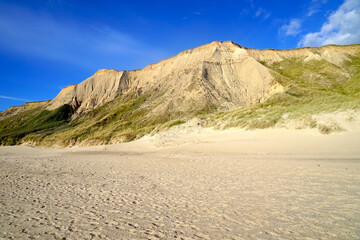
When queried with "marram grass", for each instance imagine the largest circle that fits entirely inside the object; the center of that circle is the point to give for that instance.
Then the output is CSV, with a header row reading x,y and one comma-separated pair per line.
x,y
312,87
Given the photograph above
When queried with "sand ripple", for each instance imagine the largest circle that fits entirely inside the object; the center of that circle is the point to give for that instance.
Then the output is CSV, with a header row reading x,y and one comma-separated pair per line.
x,y
104,195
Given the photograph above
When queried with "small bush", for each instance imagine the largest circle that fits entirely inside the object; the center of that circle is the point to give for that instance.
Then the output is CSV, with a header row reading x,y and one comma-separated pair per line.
x,y
177,122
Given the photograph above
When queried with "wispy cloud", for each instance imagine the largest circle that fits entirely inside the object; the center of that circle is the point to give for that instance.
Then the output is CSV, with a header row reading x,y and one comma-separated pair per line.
x,y
251,2
261,12
292,28
315,7
38,35
341,27
15,98
256,12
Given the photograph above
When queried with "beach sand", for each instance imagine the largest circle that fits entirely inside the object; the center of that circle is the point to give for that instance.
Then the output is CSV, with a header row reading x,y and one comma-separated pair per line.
x,y
194,184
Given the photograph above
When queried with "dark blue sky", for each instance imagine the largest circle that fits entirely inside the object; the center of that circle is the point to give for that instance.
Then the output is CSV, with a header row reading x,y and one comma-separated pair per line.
x,y
46,45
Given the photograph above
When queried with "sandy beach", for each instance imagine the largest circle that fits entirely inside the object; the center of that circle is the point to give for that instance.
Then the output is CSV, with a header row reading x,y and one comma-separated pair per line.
x,y
196,184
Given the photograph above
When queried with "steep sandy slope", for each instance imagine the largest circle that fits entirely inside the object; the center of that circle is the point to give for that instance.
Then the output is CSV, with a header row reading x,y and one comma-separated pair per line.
x,y
222,83
332,53
104,86
219,75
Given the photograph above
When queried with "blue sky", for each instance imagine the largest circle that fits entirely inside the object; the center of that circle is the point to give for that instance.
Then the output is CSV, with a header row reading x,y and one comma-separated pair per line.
x,y
46,45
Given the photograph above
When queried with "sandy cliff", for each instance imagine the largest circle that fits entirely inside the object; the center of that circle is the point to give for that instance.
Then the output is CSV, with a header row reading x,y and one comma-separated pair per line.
x,y
220,82
104,86
331,53
219,74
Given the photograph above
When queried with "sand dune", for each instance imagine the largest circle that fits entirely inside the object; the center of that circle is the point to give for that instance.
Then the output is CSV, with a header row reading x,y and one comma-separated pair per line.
x,y
221,73
192,183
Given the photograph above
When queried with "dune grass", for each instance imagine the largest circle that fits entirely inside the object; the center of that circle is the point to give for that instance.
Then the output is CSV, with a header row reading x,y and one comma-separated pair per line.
x,y
13,129
311,88
121,120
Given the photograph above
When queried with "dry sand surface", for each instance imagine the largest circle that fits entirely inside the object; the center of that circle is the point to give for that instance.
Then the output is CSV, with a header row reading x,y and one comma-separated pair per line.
x,y
199,184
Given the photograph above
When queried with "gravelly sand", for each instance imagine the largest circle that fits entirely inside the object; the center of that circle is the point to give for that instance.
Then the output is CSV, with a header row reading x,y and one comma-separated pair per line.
x,y
98,193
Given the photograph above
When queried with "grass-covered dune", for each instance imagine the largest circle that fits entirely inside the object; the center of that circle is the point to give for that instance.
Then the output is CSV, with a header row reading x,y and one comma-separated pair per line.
x,y
41,121
311,87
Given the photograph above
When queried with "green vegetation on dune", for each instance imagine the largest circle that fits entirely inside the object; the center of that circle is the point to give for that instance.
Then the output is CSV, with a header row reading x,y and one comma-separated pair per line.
x,y
176,123
353,84
13,129
121,120
311,88
99,125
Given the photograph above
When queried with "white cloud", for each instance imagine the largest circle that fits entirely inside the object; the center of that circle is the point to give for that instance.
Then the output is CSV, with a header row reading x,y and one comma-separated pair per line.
x,y
315,7
341,27
261,12
251,2
292,28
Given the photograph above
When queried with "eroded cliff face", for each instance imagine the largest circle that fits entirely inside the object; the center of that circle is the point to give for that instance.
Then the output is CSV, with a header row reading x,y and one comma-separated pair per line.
x,y
331,53
212,81
104,86
219,74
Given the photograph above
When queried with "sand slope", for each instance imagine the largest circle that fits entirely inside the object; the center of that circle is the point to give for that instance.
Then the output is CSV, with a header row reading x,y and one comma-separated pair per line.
x,y
200,184
221,74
